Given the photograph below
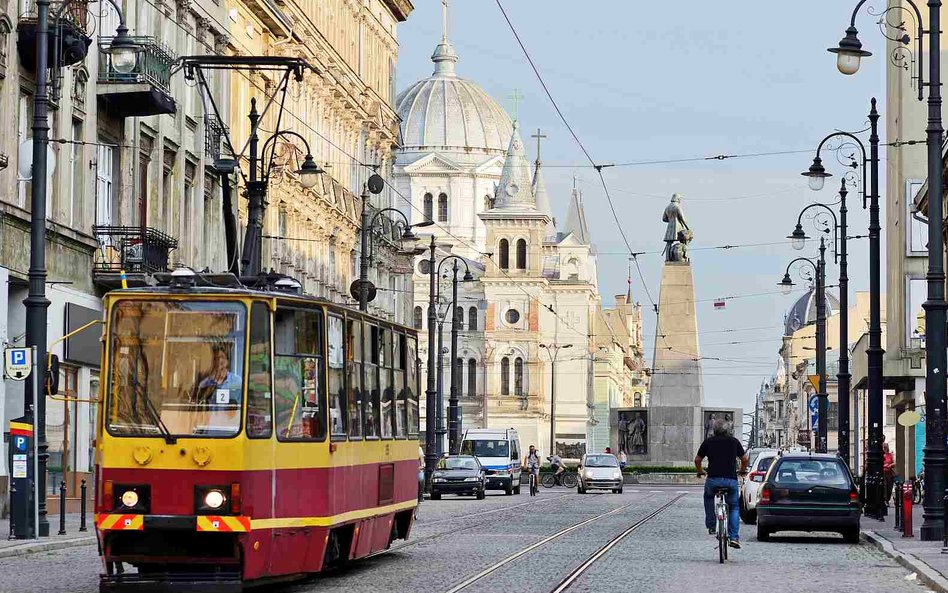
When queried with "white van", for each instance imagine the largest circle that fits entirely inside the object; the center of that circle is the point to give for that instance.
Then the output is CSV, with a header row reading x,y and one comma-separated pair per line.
x,y
498,450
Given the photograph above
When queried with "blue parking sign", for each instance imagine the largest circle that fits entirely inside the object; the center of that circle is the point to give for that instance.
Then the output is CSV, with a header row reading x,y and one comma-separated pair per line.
x,y
21,443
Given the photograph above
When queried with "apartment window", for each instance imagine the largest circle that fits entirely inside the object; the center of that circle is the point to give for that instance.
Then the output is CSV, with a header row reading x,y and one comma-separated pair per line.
x,y
5,31
442,207
24,133
104,191
429,207
73,214
505,376
504,254
189,240
167,188
916,292
521,254
916,231
471,377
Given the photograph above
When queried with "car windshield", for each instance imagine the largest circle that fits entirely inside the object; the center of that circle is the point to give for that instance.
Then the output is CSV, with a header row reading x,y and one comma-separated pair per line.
x,y
486,448
176,368
466,463
601,461
811,472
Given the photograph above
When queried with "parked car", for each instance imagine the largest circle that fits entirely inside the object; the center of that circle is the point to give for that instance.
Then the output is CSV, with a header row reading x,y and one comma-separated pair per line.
x,y
599,471
751,485
458,474
808,492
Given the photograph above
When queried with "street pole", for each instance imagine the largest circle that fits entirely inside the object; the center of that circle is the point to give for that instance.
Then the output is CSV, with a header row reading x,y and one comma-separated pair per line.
x,y
364,258
454,411
431,455
936,358
874,479
843,376
553,402
441,430
36,302
821,395
257,203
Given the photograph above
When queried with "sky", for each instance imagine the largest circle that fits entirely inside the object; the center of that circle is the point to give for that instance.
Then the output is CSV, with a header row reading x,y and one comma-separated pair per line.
x,y
660,81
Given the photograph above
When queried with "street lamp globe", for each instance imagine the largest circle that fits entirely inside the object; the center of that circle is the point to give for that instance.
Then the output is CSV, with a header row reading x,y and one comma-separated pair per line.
x,y
798,238
849,52
786,285
816,175
309,172
124,51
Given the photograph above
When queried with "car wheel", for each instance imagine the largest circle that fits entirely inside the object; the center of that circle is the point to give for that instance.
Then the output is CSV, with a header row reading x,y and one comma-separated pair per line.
x,y
851,535
480,494
508,490
763,534
580,489
516,489
435,496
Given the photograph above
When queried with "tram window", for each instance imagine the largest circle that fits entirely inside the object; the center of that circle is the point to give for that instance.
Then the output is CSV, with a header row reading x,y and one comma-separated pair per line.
x,y
337,384
259,401
354,387
300,392
398,356
385,383
370,382
411,384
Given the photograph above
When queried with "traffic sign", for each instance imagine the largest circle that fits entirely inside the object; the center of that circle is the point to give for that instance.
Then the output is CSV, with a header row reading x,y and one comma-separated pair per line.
x,y
814,381
18,362
815,421
814,404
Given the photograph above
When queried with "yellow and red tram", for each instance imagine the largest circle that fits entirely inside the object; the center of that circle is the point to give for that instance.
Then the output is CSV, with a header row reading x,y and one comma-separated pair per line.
x,y
249,435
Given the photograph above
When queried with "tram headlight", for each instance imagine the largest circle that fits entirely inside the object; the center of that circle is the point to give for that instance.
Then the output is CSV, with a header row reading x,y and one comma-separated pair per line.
x,y
130,498
214,499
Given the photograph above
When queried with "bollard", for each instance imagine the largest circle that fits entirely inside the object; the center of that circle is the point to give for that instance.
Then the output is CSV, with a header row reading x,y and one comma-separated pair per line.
x,y
906,493
62,508
82,506
898,504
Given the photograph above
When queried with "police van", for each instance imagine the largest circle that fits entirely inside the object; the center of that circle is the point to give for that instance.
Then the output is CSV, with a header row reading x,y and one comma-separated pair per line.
x,y
498,450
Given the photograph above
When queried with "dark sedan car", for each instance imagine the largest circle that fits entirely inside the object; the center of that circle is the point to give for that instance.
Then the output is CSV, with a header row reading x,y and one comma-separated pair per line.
x,y
458,474
808,492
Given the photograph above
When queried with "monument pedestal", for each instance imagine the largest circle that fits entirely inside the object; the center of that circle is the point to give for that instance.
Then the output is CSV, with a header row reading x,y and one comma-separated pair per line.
x,y
676,395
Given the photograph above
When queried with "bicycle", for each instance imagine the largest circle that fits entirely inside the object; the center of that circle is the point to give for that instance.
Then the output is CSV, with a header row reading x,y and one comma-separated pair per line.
x,y
534,487
720,515
567,479
918,489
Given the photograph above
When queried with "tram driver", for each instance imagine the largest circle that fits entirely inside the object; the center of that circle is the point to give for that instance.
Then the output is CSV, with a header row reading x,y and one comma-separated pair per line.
x,y
220,385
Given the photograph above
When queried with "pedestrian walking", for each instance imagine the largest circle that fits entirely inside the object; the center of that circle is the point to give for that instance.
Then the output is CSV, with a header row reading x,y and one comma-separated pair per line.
x,y
888,471
623,459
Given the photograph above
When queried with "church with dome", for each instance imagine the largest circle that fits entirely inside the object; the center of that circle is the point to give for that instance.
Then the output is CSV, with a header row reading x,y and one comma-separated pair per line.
x,y
534,304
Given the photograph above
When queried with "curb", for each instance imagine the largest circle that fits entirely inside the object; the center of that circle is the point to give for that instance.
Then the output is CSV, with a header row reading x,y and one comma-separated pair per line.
x,y
926,573
35,547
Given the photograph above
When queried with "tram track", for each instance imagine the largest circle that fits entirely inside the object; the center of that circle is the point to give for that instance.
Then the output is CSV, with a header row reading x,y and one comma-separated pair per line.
x,y
589,562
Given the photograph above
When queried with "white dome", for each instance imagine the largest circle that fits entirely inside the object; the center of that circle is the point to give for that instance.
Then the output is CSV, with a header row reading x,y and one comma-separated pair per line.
x,y
447,113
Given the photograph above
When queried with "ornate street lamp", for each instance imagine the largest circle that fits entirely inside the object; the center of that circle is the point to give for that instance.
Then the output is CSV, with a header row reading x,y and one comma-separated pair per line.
x,y
849,55
553,350
454,408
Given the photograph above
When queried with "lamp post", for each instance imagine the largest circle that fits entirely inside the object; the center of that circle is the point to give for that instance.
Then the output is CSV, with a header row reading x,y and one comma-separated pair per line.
x,y
819,268
840,255
431,393
260,169
454,408
553,350
817,174
364,289
123,51
849,55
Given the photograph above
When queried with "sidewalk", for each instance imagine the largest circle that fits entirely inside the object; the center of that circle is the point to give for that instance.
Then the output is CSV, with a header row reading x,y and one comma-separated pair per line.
x,y
924,558
73,537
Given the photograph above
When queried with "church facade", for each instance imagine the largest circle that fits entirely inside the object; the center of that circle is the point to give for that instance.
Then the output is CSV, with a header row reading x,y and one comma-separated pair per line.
x,y
532,323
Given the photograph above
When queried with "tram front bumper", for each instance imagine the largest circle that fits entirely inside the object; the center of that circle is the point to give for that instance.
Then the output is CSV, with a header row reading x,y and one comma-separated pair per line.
x,y
170,583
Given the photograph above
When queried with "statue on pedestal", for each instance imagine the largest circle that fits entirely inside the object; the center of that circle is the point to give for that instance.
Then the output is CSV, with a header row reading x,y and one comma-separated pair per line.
x,y
677,234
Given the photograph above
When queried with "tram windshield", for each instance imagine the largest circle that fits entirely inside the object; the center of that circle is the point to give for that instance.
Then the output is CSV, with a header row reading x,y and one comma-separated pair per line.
x,y
176,368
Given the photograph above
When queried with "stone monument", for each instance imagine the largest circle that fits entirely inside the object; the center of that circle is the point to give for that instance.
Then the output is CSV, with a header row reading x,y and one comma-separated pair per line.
x,y
677,390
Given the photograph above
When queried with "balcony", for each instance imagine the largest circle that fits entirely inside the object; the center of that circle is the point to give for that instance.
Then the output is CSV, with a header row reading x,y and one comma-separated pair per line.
x,y
73,40
144,91
138,251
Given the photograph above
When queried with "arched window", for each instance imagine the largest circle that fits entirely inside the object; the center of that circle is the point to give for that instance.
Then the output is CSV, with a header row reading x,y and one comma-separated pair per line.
x,y
429,314
521,254
638,401
418,321
472,318
488,202
504,254
471,377
518,376
429,207
442,207
460,314
505,376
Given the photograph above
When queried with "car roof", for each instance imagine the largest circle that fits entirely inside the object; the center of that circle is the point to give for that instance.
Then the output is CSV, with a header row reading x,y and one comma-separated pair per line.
x,y
811,456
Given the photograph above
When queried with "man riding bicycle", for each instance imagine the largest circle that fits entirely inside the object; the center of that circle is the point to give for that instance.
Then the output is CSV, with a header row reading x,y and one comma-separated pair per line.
x,y
532,462
556,463
722,451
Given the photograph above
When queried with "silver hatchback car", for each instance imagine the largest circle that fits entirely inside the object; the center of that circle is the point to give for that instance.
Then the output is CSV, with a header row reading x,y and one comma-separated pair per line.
x,y
600,471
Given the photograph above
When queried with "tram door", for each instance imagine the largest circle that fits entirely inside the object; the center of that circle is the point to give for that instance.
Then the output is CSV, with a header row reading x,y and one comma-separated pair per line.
x,y
258,485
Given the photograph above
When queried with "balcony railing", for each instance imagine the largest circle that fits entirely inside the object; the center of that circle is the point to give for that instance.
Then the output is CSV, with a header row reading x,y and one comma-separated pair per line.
x,y
136,250
124,91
